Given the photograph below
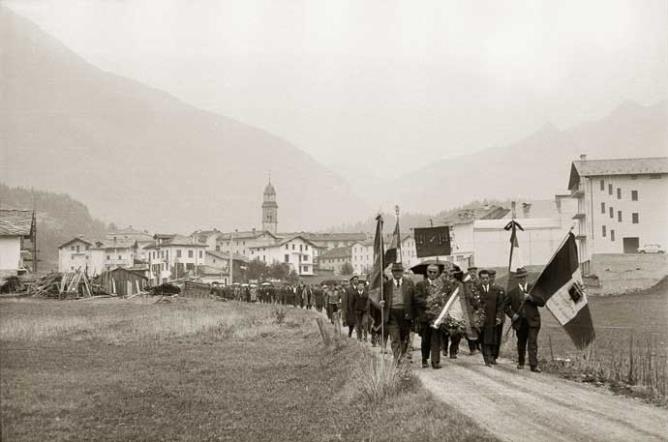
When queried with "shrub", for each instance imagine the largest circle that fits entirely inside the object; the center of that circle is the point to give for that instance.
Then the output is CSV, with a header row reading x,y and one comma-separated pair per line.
x,y
380,378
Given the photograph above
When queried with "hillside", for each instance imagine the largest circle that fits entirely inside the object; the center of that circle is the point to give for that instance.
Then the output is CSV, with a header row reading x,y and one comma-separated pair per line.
x,y
59,218
537,166
140,156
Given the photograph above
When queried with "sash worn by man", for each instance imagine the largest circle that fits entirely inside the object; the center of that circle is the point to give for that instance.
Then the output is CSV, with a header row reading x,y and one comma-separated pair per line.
x,y
398,307
492,298
522,308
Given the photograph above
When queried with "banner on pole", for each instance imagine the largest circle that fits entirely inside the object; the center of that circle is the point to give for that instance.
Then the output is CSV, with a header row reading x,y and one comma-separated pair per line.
x,y
432,241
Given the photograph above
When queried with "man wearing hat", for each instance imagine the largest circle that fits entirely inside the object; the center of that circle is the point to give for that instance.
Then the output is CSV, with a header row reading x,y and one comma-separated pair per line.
x,y
473,273
492,298
522,308
398,307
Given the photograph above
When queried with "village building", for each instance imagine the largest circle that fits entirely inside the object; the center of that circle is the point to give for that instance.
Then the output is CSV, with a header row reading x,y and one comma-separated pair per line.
x,y
335,259
361,257
18,236
81,253
269,209
621,205
123,282
298,252
217,264
174,257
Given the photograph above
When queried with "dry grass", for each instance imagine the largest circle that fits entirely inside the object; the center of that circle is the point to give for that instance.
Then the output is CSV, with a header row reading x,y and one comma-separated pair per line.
x,y
195,370
379,378
630,353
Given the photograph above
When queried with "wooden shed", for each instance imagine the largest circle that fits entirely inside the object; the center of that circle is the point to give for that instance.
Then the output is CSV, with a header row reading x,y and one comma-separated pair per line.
x,y
123,282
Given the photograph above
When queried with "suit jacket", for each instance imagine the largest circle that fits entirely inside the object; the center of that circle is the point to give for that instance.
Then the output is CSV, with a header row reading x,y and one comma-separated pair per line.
x,y
362,302
493,304
529,310
408,293
420,301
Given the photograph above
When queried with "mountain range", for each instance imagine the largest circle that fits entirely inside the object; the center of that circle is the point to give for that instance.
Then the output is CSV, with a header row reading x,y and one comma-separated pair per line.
x,y
139,156
536,167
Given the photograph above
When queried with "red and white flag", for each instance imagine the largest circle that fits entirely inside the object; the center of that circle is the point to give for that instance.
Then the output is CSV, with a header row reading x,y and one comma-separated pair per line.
x,y
560,286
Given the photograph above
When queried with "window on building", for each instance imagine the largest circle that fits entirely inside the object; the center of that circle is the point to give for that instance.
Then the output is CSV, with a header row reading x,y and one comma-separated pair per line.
x,y
619,216
293,247
306,248
217,248
287,247
603,208
612,212
201,254
108,257
190,254
120,257
609,189
305,268
634,195
178,253
612,235
72,248
619,193
602,185
603,231
87,247
287,258
634,218
300,247
78,249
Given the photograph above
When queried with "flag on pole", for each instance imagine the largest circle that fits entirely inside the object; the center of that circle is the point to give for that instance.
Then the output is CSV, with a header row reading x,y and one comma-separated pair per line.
x,y
393,253
560,286
376,279
515,260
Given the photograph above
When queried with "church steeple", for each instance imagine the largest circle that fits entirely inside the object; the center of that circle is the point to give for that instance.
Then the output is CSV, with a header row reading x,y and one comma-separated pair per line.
x,y
269,209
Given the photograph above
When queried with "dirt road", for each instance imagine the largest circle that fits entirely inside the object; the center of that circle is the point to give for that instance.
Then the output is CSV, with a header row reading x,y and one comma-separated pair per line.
x,y
519,405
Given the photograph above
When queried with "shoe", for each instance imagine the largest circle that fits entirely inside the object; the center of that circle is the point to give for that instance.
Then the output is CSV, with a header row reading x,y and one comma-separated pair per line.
x,y
425,364
520,366
536,370
493,362
488,364
453,356
435,366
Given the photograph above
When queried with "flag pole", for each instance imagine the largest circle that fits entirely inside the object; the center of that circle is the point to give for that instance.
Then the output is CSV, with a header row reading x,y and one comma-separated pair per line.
x,y
396,210
382,296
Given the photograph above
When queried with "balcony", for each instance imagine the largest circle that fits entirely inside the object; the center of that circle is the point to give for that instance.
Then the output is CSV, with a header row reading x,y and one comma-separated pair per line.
x,y
579,216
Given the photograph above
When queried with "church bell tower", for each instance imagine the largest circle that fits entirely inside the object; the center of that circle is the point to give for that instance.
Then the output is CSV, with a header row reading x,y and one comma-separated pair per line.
x,y
270,209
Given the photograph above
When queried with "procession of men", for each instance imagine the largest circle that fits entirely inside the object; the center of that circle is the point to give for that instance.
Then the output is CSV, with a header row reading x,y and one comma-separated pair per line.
x,y
404,307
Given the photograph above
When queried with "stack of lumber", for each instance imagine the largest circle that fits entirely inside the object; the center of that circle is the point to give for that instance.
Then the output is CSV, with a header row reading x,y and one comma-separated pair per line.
x,y
67,285
47,286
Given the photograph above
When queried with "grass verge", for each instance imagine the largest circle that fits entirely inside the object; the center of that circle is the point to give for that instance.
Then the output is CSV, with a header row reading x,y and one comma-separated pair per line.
x,y
196,370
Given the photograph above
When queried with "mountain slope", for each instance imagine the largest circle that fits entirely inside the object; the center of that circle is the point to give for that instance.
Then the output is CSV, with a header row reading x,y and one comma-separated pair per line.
x,y
59,219
140,156
537,166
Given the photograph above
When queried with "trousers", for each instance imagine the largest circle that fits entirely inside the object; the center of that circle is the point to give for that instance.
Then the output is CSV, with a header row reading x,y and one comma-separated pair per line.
x,y
527,339
431,344
398,328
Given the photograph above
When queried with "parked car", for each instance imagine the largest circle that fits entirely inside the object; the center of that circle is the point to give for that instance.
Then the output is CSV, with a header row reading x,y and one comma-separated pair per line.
x,y
651,248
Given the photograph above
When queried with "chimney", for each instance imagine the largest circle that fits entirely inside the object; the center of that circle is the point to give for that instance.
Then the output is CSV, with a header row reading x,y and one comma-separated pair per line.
x,y
583,157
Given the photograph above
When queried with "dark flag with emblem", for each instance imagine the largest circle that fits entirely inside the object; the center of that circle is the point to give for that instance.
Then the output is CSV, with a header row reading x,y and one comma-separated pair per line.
x,y
560,286
393,252
376,279
432,241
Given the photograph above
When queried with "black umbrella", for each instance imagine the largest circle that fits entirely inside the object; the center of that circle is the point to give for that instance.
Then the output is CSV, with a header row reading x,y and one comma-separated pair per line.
x,y
421,269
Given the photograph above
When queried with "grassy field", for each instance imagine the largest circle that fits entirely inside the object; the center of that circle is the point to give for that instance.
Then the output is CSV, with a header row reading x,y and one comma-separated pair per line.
x,y
630,352
197,370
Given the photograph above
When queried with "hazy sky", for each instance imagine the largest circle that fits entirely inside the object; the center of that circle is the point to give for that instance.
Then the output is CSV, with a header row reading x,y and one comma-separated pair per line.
x,y
392,82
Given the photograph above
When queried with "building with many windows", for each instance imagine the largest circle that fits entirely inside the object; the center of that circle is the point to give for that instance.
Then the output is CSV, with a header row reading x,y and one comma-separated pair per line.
x,y
298,252
622,204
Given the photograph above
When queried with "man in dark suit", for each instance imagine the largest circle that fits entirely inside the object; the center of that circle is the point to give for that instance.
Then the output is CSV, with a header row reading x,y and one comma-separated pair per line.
x,y
492,298
362,306
499,328
398,308
522,308
348,305
431,295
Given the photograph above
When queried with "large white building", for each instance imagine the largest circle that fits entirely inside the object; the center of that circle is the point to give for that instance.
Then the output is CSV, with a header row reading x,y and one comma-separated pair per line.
x,y
622,204
298,252
174,257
